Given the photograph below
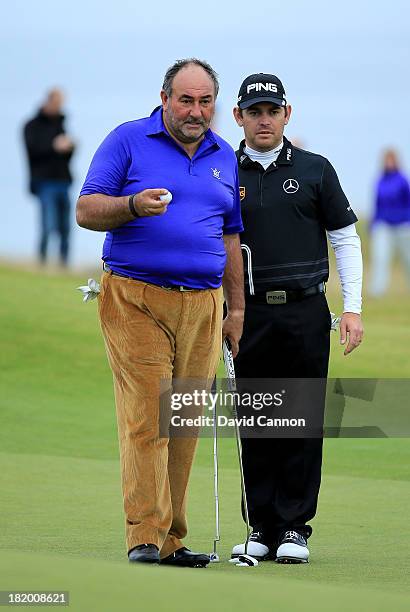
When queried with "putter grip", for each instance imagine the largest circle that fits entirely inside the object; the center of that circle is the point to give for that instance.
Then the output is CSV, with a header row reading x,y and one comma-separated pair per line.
x,y
229,365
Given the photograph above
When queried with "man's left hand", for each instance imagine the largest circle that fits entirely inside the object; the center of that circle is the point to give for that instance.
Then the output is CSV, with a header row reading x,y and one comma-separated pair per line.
x,y
232,329
351,330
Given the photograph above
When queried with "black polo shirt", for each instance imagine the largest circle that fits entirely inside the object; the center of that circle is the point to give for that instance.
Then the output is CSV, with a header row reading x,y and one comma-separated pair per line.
x,y
286,210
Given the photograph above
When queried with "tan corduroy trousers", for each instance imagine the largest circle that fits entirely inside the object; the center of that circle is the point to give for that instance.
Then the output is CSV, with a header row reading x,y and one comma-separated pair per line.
x,y
152,334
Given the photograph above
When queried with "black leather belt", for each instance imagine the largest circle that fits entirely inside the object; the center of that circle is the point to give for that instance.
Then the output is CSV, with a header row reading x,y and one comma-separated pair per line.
x,y
284,296
107,268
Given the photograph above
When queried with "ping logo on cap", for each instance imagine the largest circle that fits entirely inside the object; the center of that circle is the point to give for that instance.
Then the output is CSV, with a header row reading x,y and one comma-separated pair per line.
x,y
259,86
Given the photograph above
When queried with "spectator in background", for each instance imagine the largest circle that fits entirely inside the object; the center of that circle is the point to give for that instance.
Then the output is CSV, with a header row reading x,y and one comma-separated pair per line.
x,y
49,151
390,228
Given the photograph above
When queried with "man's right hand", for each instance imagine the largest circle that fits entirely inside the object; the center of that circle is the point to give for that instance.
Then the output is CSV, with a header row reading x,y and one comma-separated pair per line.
x,y
101,213
148,204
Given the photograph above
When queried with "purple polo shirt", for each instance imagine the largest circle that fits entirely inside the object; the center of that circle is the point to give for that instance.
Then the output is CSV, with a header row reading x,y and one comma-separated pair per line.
x,y
185,245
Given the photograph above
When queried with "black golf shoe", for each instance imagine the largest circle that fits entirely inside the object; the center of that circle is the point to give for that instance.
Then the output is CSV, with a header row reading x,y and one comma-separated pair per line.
x,y
292,548
183,557
256,547
144,553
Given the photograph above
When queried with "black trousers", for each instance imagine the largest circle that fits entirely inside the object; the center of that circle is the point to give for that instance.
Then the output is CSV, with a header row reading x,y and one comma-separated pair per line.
x,y
282,475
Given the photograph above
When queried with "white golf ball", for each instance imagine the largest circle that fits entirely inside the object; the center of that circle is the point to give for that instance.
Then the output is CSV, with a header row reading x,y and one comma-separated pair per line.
x,y
166,197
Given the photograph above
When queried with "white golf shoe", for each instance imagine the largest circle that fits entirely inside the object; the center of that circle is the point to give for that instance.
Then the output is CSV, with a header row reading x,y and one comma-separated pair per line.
x,y
292,548
256,547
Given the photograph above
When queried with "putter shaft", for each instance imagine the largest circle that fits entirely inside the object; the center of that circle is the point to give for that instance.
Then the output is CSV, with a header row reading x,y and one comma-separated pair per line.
x,y
230,372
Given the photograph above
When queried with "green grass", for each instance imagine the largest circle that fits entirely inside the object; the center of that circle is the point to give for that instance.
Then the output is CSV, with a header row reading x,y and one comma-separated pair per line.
x,y
109,586
61,524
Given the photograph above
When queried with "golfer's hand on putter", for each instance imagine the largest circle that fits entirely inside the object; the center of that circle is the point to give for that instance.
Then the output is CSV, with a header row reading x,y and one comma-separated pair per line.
x,y
232,329
351,329
148,204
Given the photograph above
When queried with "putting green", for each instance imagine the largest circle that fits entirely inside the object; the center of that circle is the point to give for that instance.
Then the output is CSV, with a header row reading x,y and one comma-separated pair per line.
x,y
108,586
61,519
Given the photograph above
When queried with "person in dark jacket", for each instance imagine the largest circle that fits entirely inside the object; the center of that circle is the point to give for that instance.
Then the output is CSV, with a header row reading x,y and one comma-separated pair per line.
x,y
390,227
49,151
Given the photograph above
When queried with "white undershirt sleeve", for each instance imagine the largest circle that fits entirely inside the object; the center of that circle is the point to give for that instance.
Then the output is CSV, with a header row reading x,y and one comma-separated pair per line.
x,y
346,245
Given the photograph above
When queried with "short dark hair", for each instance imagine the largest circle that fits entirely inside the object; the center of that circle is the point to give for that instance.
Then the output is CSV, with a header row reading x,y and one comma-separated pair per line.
x,y
179,64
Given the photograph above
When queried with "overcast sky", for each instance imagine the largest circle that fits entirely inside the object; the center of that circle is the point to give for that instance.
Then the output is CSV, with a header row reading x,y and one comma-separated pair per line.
x,y
345,69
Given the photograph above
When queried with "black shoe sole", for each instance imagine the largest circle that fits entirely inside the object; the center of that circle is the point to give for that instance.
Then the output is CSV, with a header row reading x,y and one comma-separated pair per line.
x,y
196,564
149,561
291,560
200,564
264,558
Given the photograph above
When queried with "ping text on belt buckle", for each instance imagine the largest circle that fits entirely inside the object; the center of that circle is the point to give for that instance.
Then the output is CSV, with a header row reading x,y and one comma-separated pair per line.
x,y
276,297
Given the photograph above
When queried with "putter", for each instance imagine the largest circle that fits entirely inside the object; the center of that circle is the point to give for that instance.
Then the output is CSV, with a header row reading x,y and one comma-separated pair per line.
x,y
244,560
214,555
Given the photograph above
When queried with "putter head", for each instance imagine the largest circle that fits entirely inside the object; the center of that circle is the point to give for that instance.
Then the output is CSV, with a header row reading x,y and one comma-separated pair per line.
x,y
247,561
214,557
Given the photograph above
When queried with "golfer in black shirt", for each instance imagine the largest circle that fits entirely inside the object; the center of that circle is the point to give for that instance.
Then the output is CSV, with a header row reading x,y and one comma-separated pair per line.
x,y
292,202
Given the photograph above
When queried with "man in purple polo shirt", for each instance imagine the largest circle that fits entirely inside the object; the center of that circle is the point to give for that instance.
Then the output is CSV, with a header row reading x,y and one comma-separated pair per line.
x,y
161,297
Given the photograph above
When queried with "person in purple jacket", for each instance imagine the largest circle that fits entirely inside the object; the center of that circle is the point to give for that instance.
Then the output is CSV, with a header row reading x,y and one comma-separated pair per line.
x,y
161,293
390,227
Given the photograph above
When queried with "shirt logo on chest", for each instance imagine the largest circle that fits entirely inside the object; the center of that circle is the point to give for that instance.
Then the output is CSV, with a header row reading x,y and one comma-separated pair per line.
x,y
290,186
216,173
242,192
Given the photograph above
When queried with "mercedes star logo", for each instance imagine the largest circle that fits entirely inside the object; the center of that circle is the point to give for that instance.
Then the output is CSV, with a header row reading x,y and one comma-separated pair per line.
x,y
290,186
